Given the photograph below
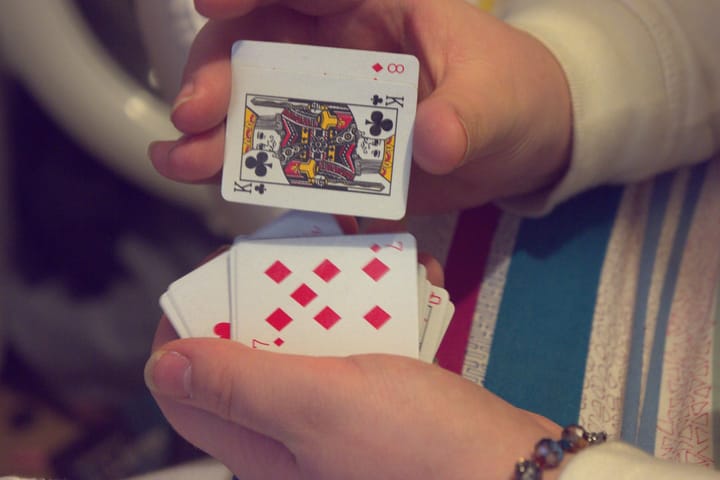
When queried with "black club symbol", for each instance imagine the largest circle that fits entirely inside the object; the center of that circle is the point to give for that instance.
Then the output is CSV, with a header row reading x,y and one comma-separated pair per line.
x,y
261,188
259,164
379,123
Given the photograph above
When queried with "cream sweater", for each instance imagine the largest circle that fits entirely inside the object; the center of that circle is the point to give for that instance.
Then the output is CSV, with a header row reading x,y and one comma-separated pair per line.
x,y
645,82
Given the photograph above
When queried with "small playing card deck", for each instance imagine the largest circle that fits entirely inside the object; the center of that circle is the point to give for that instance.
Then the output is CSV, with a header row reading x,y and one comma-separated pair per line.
x,y
320,129
300,286
317,129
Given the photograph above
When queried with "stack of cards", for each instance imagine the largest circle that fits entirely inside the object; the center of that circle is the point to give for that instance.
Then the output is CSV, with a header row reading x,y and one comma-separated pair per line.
x,y
320,129
300,286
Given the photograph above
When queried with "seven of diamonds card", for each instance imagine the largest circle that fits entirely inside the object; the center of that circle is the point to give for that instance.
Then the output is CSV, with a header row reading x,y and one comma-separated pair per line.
x,y
328,295
321,129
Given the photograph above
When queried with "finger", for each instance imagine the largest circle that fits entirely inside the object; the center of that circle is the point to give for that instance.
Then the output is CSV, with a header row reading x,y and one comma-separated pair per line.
x,y
234,8
202,102
489,114
466,125
284,397
458,119
384,226
193,159
440,141
433,268
348,224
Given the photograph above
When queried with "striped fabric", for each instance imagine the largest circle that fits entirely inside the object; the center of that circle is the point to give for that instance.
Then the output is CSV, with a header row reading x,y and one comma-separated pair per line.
x,y
603,312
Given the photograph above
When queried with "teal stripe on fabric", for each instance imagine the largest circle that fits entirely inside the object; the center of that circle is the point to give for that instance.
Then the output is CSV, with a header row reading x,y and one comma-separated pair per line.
x,y
633,382
539,349
715,425
648,418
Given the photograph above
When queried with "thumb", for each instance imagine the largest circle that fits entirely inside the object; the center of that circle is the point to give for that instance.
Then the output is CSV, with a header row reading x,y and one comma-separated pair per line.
x,y
459,121
440,140
270,393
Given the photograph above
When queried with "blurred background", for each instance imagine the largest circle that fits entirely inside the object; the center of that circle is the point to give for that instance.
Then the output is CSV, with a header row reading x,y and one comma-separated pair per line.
x,y
90,235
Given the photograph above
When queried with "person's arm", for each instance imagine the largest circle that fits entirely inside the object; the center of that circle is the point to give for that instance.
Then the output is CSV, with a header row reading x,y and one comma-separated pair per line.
x,y
644,77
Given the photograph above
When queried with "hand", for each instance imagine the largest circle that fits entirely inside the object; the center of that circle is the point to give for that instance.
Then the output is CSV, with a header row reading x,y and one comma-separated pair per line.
x,y
269,415
494,116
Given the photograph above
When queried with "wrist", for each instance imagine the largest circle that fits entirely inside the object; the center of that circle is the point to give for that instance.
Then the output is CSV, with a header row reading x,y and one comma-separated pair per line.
x,y
550,456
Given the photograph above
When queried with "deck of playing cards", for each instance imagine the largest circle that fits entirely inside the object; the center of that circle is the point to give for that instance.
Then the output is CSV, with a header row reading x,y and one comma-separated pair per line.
x,y
300,286
320,129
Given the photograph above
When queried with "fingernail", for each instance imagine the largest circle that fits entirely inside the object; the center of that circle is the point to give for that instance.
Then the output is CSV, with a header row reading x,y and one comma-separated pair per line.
x,y
168,373
185,94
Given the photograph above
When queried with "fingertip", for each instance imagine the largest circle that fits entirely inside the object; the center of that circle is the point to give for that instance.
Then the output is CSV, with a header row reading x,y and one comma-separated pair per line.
x,y
198,108
348,224
168,373
440,139
202,102
190,159
159,152
185,94
433,268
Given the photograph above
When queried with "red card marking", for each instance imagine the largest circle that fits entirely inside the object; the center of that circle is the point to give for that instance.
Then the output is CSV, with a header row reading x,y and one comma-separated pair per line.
x,y
256,342
377,317
327,317
278,271
279,319
222,329
396,245
303,295
375,269
326,270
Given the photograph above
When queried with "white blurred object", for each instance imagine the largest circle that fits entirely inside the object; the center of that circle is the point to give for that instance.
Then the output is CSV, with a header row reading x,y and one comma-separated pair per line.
x,y
207,469
51,49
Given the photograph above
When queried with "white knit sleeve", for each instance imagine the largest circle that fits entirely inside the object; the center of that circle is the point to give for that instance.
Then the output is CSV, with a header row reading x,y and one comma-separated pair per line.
x,y
620,461
644,77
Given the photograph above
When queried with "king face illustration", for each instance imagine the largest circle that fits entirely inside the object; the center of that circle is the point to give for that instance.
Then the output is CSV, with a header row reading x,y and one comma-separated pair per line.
x,y
316,144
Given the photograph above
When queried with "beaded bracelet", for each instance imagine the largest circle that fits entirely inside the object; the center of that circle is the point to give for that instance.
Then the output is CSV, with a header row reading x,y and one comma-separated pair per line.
x,y
549,453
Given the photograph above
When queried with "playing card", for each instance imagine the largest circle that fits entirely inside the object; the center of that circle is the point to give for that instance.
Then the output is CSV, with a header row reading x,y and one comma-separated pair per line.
x,y
318,135
437,320
341,62
173,316
447,318
202,299
328,295
422,285
292,224
199,303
